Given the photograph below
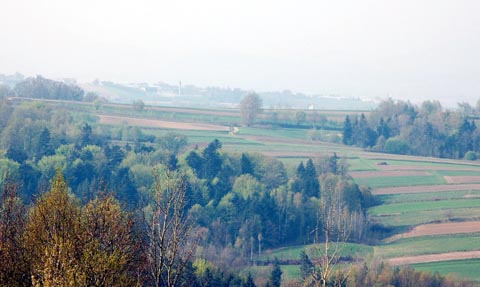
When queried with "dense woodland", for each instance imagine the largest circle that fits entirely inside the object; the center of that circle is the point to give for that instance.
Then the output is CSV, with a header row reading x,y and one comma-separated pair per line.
x,y
91,205
428,130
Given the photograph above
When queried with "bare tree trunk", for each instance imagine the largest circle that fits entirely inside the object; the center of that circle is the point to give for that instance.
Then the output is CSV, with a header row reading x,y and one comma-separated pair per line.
x,y
170,247
333,220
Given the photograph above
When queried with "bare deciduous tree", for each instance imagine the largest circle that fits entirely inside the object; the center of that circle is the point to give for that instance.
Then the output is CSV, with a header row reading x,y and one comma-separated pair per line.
x,y
12,223
170,244
332,231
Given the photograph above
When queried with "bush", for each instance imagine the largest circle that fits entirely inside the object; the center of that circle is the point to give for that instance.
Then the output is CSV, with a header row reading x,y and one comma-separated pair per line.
x,y
396,146
471,155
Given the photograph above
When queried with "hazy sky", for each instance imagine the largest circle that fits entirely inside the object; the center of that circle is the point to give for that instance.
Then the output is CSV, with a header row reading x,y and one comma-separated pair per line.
x,y
404,49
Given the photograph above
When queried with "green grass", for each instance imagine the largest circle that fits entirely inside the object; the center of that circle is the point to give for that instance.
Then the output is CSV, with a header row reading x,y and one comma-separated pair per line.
x,y
173,114
362,164
462,269
426,196
290,271
409,207
293,252
427,216
393,181
423,163
429,245
458,172
275,133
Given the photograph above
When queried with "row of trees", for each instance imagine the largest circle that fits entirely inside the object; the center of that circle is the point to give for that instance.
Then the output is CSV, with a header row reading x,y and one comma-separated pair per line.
x,y
42,88
403,128
251,113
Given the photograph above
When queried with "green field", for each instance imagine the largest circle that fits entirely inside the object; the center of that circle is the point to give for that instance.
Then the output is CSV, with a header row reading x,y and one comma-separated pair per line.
x,y
393,181
463,269
428,216
409,207
427,196
459,172
429,245
275,133
293,252
362,164
434,163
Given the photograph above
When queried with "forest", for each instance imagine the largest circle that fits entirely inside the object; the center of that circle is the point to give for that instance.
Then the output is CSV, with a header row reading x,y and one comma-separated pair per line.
x,y
94,205
400,127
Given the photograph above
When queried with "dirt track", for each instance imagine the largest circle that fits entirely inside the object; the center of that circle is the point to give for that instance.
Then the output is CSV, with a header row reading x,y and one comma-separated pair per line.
x,y
434,257
114,120
425,188
439,229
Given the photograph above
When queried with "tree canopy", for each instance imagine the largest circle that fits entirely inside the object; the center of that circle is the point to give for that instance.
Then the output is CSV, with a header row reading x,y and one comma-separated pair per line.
x,y
250,107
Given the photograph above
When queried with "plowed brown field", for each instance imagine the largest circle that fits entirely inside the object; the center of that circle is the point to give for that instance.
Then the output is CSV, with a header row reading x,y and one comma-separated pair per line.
x,y
115,120
434,257
462,179
439,229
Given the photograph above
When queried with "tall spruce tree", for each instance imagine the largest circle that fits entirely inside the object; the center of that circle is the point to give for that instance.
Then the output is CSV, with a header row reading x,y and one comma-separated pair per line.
x,y
246,165
212,160
310,180
347,131
276,275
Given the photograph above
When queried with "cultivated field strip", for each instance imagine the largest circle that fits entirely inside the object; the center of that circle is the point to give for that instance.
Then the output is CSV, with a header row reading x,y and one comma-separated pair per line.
x,y
439,229
382,173
432,167
461,255
425,188
414,160
116,120
462,179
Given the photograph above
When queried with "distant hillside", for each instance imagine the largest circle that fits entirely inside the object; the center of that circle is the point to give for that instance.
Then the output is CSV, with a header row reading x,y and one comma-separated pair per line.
x,y
193,96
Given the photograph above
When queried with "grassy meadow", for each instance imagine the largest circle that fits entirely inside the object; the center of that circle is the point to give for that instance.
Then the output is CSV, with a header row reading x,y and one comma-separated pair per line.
x,y
459,268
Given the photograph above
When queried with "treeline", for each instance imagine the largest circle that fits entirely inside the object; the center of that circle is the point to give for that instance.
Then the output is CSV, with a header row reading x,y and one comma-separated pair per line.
x,y
380,275
42,88
373,274
428,130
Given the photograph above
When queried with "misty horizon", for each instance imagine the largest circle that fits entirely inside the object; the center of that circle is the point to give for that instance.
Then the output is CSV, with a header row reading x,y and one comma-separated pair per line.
x,y
370,50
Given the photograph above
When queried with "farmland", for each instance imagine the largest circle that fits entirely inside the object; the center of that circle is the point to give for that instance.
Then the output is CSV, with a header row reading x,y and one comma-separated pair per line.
x,y
416,195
